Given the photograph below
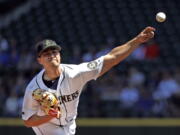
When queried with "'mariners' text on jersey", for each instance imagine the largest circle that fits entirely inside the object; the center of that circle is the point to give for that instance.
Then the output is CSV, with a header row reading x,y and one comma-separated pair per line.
x,y
68,98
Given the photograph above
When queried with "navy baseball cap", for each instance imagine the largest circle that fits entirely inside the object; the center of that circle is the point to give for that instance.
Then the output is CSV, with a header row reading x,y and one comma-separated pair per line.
x,y
46,44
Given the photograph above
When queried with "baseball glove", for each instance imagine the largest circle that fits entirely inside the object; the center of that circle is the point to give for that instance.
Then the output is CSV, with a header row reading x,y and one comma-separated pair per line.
x,y
48,101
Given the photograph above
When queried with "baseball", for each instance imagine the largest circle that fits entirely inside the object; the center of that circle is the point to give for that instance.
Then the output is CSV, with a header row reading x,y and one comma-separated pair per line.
x,y
160,17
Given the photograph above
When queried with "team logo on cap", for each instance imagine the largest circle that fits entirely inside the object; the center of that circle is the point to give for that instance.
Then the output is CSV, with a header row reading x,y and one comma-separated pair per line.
x,y
92,65
50,42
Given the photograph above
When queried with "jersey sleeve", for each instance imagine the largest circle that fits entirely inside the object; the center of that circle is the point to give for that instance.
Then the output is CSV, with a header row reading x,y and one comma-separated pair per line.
x,y
91,70
30,106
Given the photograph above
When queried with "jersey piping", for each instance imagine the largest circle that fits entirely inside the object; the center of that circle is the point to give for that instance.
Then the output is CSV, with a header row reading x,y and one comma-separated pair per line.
x,y
61,93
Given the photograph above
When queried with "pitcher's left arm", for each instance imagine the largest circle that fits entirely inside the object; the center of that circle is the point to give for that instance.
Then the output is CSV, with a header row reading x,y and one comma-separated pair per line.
x,y
119,53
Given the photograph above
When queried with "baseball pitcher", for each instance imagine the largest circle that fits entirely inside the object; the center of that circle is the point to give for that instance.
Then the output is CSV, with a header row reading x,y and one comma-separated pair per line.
x,y
51,98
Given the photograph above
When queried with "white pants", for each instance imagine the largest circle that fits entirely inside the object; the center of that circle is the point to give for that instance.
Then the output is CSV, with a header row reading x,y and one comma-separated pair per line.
x,y
52,129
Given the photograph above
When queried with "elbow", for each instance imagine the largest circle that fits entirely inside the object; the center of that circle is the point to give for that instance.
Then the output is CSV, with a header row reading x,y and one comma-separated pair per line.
x,y
111,59
114,61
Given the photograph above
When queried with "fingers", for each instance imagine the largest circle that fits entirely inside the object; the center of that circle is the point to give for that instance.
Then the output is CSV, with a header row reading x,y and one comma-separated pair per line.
x,y
146,34
149,28
149,32
54,113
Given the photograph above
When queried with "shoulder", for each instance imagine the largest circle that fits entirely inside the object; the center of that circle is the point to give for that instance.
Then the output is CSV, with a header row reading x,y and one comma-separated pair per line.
x,y
77,66
70,70
77,69
69,66
31,84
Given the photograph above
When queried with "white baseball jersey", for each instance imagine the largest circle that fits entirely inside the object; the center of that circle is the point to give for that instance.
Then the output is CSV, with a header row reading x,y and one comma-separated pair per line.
x,y
68,90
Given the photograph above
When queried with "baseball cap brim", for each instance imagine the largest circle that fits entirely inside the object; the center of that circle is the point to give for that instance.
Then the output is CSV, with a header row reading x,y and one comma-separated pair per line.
x,y
50,47
46,44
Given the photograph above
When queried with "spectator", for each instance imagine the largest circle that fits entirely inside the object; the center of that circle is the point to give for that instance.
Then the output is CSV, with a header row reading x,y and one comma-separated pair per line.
x,y
145,103
152,51
167,86
135,77
138,54
4,51
4,46
128,97
11,105
89,55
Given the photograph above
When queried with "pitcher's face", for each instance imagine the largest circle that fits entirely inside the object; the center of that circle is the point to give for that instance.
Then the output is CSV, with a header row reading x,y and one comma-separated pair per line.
x,y
50,57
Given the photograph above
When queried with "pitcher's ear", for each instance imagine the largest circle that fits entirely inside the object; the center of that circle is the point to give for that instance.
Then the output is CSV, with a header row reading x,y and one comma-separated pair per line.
x,y
39,60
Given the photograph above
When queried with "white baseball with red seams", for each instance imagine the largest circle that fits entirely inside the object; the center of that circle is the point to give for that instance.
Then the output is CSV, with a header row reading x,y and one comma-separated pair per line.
x,y
160,17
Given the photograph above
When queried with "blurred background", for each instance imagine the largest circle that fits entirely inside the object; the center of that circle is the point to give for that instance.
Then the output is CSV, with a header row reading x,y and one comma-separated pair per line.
x,y
145,85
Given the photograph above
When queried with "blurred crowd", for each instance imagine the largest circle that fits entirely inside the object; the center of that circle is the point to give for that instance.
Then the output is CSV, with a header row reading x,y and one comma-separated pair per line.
x,y
131,89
